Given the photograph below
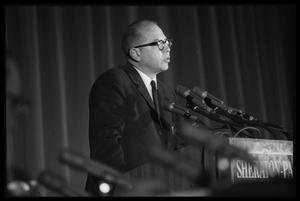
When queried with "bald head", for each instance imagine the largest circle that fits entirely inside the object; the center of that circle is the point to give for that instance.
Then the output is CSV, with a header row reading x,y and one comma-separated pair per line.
x,y
135,34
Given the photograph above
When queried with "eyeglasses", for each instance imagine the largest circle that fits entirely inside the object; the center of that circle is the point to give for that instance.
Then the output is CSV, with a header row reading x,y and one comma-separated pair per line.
x,y
161,44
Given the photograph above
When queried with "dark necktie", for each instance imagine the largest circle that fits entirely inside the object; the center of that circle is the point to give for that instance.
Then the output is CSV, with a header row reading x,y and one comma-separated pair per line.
x,y
155,98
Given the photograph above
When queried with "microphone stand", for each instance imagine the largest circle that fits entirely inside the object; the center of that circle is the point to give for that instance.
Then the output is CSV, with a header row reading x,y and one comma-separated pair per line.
x,y
254,122
215,109
213,115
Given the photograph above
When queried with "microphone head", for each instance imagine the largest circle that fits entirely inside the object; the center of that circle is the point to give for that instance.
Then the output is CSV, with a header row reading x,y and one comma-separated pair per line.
x,y
167,105
199,92
19,188
182,91
234,111
203,94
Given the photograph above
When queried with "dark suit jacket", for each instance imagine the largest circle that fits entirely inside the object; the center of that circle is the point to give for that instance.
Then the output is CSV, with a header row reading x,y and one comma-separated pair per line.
x,y
123,122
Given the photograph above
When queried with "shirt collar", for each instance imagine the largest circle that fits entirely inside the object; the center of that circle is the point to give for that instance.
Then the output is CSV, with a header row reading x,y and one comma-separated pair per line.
x,y
146,80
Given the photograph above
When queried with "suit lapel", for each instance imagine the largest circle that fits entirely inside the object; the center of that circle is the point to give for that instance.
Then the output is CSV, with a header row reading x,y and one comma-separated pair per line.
x,y
137,80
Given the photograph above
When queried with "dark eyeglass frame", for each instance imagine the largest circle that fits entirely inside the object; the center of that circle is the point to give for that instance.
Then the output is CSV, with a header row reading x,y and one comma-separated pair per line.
x,y
161,44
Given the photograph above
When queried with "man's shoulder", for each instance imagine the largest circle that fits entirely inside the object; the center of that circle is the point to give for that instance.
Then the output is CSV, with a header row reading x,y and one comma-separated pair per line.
x,y
115,75
114,70
117,71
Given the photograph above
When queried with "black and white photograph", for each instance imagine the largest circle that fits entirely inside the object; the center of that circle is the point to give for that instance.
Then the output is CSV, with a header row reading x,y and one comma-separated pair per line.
x,y
154,100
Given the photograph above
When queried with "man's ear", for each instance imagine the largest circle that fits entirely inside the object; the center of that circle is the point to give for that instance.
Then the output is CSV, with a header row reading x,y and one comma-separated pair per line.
x,y
134,53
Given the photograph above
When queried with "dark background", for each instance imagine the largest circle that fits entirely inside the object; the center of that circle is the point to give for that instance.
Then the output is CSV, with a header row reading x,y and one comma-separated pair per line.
x,y
242,54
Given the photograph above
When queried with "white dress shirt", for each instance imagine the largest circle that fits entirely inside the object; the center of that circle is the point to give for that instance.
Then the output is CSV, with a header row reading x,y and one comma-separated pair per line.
x,y
147,81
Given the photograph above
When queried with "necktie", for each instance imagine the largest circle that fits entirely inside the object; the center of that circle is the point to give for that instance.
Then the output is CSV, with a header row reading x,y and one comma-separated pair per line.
x,y
155,97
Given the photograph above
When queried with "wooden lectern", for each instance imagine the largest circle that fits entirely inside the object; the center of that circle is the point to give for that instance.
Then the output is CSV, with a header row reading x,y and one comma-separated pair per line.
x,y
272,158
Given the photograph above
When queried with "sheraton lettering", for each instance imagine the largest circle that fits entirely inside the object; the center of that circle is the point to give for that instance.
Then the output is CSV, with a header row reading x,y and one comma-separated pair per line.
x,y
269,169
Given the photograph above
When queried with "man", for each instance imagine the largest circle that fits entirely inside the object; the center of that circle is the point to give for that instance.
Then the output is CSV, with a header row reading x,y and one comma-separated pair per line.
x,y
125,120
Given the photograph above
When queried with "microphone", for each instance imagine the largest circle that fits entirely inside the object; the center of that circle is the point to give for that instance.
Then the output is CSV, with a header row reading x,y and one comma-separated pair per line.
x,y
20,188
233,111
220,104
57,184
192,97
203,94
98,169
172,107
239,113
